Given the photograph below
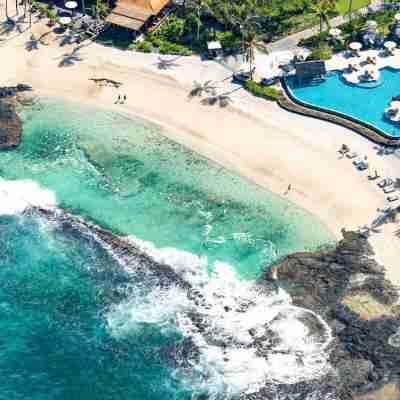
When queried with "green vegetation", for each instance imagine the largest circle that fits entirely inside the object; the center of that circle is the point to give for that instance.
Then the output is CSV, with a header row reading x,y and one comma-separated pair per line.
x,y
343,5
322,43
321,52
266,92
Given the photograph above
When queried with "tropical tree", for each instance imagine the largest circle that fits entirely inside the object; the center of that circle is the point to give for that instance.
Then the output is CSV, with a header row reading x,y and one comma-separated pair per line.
x,y
322,9
350,11
196,9
248,19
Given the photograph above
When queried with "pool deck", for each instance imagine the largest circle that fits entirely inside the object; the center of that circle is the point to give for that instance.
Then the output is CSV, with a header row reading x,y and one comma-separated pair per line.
x,y
341,60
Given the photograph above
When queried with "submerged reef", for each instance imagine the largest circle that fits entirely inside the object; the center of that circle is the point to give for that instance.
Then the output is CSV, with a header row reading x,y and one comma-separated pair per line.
x,y
347,287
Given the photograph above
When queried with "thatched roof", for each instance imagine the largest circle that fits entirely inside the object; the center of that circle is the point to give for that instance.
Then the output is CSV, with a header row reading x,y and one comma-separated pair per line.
x,y
133,14
310,69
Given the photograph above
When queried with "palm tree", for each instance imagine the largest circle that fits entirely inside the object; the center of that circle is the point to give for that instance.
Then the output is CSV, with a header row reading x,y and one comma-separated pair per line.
x,y
197,7
249,22
201,88
350,11
322,8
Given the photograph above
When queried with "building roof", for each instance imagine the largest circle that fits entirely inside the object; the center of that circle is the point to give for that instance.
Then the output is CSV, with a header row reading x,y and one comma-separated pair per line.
x,y
216,45
133,14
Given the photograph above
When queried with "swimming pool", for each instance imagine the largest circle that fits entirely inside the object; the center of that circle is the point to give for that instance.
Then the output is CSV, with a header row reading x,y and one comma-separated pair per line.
x,y
367,105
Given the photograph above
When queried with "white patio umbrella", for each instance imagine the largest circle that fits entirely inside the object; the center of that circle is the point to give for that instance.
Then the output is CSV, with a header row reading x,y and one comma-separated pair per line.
x,y
355,46
390,44
371,24
335,32
65,20
395,105
71,5
397,17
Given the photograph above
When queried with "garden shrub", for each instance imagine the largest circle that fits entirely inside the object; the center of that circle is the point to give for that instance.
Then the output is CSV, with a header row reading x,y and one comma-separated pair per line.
x,y
266,92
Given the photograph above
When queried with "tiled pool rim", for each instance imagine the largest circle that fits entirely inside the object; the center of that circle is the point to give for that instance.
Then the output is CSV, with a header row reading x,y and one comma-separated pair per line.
x,y
363,128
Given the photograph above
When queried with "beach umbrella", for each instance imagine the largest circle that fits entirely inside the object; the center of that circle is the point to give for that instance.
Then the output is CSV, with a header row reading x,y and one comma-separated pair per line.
x,y
395,104
65,20
390,45
371,24
371,70
397,17
355,46
71,5
335,32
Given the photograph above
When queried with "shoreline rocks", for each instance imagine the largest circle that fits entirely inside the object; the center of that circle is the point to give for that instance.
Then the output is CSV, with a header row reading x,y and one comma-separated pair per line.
x,y
10,126
347,287
10,123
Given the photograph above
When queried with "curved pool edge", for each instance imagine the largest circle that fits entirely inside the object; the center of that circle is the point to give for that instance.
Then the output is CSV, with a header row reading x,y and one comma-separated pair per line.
x,y
290,102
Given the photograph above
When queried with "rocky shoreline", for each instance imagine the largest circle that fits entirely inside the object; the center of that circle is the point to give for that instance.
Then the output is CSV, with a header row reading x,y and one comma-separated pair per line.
x,y
342,283
347,287
10,123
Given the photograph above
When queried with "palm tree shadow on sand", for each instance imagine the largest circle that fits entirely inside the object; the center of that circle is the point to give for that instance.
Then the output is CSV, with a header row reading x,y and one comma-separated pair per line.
x,y
34,42
165,63
13,25
220,99
199,89
69,59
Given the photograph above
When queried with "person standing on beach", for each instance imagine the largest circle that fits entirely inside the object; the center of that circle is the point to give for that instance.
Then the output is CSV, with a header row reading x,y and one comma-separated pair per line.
x,y
124,98
118,100
289,188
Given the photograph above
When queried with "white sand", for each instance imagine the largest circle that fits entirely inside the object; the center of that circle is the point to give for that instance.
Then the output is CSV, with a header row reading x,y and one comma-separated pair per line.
x,y
254,137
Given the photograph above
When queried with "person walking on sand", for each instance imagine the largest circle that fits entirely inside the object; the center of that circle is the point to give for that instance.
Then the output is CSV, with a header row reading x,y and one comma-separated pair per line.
x,y
118,100
289,188
124,98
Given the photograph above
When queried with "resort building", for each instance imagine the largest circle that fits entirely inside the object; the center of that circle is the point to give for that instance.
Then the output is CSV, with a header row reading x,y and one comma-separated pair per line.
x,y
136,14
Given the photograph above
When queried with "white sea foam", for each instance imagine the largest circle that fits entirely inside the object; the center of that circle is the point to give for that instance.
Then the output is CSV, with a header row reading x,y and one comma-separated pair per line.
x,y
16,196
238,321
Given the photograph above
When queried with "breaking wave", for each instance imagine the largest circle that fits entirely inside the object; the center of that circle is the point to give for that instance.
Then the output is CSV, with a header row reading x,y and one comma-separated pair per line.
x,y
246,336
16,196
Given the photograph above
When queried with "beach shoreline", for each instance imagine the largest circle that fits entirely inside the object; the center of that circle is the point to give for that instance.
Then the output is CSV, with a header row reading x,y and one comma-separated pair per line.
x,y
252,137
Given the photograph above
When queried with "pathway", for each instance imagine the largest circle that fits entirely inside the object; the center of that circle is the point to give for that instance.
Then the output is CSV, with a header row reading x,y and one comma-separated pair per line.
x,y
290,42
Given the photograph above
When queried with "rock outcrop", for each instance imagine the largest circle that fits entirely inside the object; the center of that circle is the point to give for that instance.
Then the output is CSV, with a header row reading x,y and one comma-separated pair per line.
x,y
348,288
10,123
10,126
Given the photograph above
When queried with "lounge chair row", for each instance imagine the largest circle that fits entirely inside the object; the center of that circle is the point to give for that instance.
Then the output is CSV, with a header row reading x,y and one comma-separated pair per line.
x,y
386,184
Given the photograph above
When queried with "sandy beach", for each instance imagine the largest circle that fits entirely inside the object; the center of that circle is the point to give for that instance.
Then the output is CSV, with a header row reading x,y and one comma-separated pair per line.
x,y
253,137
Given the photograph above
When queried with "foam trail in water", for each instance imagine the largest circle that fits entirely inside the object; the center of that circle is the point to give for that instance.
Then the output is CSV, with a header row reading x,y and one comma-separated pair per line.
x,y
245,336
16,196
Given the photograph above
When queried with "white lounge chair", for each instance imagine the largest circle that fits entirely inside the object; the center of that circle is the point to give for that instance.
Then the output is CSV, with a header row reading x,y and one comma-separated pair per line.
x,y
363,166
373,177
392,198
389,189
352,155
385,182
358,162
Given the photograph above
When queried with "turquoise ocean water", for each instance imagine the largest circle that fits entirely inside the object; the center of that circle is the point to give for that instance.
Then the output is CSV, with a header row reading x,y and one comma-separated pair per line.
x,y
76,323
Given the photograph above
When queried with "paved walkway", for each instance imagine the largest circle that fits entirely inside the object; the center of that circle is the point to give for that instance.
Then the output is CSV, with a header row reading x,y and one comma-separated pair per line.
x,y
290,42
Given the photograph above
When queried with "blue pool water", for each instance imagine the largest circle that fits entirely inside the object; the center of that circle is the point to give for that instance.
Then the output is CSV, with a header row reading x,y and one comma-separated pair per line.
x,y
367,105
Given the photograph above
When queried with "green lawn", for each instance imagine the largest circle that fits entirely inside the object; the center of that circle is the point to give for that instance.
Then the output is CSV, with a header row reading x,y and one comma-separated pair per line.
x,y
343,5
